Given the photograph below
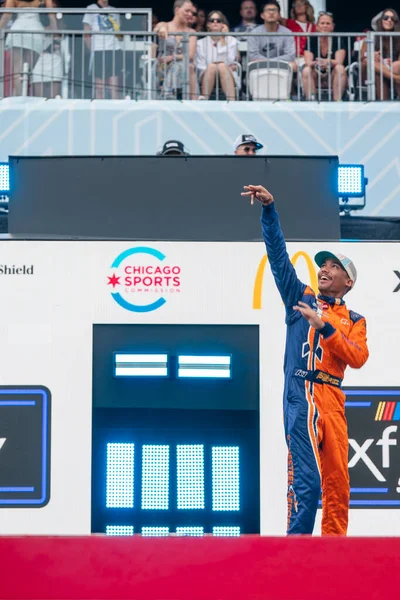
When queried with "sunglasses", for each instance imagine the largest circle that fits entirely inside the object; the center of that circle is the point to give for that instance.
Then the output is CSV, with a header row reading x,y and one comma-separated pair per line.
x,y
323,13
389,18
215,21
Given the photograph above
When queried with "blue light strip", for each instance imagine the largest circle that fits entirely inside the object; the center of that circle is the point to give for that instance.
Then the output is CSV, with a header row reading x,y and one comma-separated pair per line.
x,y
371,503
16,489
45,408
17,402
372,392
365,404
374,502
371,490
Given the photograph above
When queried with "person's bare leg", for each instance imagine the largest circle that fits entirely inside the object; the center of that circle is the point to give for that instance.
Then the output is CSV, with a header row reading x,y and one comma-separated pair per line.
x,y
21,56
99,89
208,80
227,81
396,71
339,82
192,82
381,87
309,77
113,86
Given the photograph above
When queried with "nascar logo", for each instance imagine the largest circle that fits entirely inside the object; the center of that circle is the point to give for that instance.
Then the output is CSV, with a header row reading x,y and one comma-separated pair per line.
x,y
388,411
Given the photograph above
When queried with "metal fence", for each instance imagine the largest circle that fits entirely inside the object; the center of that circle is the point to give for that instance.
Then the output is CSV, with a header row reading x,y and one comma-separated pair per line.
x,y
65,60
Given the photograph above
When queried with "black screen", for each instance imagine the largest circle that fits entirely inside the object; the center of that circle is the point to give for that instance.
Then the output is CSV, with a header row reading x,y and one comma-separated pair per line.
x,y
171,198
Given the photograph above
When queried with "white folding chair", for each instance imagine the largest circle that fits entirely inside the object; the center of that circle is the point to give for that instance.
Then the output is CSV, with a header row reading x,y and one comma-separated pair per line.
x,y
269,79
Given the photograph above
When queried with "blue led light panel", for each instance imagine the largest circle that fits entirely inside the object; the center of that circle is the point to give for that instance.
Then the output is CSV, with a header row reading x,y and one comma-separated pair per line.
x,y
206,367
4,178
225,478
226,531
190,531
351,180
120,475
25,425
140,365
190,476
119,530
155,477
155,531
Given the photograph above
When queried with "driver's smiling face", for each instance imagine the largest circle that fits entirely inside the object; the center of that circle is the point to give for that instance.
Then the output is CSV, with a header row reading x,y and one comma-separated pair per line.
x,y
333,280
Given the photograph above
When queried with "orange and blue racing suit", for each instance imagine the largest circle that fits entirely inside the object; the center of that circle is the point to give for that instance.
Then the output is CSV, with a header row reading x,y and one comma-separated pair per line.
x,y
314,414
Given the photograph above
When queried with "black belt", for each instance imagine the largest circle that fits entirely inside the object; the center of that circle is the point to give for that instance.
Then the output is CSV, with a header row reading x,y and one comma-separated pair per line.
x,y
318,377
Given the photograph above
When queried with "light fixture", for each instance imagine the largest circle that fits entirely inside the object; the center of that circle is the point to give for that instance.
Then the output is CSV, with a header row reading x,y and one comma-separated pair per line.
x,y
140,365
351,186
4,179
205,367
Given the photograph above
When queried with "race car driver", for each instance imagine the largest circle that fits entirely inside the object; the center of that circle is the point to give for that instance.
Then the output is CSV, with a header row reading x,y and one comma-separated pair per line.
x,y
323,338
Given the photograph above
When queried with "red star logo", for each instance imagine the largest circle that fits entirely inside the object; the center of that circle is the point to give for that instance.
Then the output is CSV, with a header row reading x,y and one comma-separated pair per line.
x,y
114,280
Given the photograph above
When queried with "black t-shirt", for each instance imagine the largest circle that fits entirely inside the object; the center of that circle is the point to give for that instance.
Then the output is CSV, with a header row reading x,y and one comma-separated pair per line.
x,y
333,46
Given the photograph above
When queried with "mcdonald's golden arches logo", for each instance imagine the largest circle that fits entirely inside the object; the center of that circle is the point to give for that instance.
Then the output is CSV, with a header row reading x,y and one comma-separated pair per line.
x,y
259,280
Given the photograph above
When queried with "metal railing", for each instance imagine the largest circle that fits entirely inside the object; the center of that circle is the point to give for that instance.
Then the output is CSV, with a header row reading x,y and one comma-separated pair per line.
x,y
70,62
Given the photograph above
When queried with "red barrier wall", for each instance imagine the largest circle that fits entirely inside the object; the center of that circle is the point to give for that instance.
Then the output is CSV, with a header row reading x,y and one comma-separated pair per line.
x,y
246,568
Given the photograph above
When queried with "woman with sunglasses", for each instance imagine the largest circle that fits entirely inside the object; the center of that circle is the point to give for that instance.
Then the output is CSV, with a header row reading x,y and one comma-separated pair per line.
x,y
386,55
216,56
302,19
324,61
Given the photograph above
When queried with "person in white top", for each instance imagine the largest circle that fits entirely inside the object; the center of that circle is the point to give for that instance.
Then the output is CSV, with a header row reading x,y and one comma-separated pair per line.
x,y
25,48
106,50
216,56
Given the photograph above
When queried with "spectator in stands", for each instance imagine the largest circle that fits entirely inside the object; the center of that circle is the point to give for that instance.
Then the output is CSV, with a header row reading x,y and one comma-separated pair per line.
x,y
324,61
106,50
387,55
201,20
170,51
25,48
48,72
266,47
301,19
173,148
247,145
193,19
248,12
216,58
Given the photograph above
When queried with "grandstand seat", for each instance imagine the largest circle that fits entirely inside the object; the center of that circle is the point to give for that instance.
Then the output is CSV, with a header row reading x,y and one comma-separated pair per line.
x,y
269,80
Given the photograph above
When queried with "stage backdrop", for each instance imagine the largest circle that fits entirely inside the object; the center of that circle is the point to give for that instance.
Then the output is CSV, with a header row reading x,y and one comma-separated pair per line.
x,y
53,293
356,132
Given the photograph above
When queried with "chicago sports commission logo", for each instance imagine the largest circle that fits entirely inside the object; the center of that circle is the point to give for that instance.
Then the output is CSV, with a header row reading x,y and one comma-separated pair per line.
x,y
258,283
141,277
